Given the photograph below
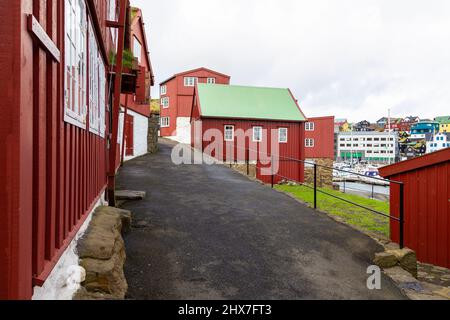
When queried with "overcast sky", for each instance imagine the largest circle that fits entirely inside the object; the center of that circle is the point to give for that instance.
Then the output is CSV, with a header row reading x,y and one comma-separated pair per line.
x,y
349,58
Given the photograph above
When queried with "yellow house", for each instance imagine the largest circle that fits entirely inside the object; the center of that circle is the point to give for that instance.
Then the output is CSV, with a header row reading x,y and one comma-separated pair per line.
x,y
343,125
444,124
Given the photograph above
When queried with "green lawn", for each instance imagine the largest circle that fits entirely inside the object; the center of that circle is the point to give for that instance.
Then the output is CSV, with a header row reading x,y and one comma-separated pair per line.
x,y
351,214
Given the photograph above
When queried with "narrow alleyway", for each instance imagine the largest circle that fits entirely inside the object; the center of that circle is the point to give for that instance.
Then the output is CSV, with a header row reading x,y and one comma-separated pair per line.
x,y
207,232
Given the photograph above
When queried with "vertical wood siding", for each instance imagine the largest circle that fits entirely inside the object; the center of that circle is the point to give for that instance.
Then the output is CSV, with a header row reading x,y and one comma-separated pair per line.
x,y
69,171
323,136
293,149
52,172
427,212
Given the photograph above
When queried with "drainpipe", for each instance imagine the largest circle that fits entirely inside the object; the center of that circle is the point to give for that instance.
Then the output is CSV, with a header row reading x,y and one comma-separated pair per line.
x,y
116,102
123,130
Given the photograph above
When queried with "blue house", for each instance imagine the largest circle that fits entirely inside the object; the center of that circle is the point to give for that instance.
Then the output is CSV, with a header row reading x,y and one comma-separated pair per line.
x,y
419,130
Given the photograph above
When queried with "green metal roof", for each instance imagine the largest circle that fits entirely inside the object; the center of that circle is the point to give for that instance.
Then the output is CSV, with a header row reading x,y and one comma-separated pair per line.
x,y
225,101
443,120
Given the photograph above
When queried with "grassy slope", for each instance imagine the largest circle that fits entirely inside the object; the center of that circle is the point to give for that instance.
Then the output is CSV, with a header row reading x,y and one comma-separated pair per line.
x,y
351,214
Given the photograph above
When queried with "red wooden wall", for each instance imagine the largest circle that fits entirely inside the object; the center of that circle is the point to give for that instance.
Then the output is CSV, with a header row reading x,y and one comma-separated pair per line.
x,y
16,145
288,152
426,205
52,172
323,136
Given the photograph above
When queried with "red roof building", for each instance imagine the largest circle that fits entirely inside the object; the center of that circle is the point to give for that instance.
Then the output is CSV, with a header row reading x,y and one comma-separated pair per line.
x,y
426,182
177,93
250,124
319,138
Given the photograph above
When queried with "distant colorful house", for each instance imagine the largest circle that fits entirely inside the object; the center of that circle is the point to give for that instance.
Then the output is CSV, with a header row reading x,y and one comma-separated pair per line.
x,y
341,125
406,123
176,101
437,142
394,123
381,123
419,130
251,118
362,126
444,124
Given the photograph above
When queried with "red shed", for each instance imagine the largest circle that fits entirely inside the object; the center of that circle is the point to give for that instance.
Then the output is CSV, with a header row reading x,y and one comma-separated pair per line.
x,y
176,100
319,138
55,113
426,205
266,121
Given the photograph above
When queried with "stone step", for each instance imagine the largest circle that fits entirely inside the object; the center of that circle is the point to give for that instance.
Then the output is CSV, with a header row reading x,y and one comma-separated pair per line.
x,y
130,195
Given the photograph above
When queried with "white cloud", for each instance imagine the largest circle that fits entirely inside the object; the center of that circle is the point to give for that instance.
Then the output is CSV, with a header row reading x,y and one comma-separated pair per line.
x,y
348,58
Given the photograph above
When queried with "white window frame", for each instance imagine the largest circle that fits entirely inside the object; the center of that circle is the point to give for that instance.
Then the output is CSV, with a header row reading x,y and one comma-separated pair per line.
x,y
102,96
165,122
97,86
137,48
112,16
94,121
165,102
163,89
211,80
256,139
226,129
310,126
190,81
112,10
279,135
75,104
309,143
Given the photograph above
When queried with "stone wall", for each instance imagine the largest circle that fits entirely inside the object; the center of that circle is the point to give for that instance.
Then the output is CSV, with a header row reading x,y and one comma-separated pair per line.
x,y
242,168
324,175
152,139
102,255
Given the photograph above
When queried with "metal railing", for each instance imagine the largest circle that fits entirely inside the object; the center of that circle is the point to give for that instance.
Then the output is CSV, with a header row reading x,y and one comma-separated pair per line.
x,y
317,190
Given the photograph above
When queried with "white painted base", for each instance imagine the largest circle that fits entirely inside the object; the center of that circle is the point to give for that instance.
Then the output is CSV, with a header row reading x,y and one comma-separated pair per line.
x,y
64,281
140,134
183,130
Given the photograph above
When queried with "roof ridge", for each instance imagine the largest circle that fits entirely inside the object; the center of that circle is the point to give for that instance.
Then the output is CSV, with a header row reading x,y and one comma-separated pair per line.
x,y
248,102
241,86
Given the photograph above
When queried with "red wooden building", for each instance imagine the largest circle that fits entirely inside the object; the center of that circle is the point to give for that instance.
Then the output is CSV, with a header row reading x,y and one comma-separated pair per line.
x,y
265,121
135,106
58,128
319,138
426,205
176,100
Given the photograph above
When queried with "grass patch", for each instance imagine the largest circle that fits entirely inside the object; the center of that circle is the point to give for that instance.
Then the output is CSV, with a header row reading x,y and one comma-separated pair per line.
x,y
351,214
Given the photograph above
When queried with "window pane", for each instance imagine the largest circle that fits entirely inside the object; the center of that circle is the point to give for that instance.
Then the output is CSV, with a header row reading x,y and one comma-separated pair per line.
x,y
137,49
282,135
257,134
229,133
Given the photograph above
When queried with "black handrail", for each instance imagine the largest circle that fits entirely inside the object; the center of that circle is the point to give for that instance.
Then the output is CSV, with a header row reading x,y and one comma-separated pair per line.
x,y
272,156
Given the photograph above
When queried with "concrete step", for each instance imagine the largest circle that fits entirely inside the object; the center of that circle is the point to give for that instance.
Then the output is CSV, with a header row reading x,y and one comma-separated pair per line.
x,y
130,195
